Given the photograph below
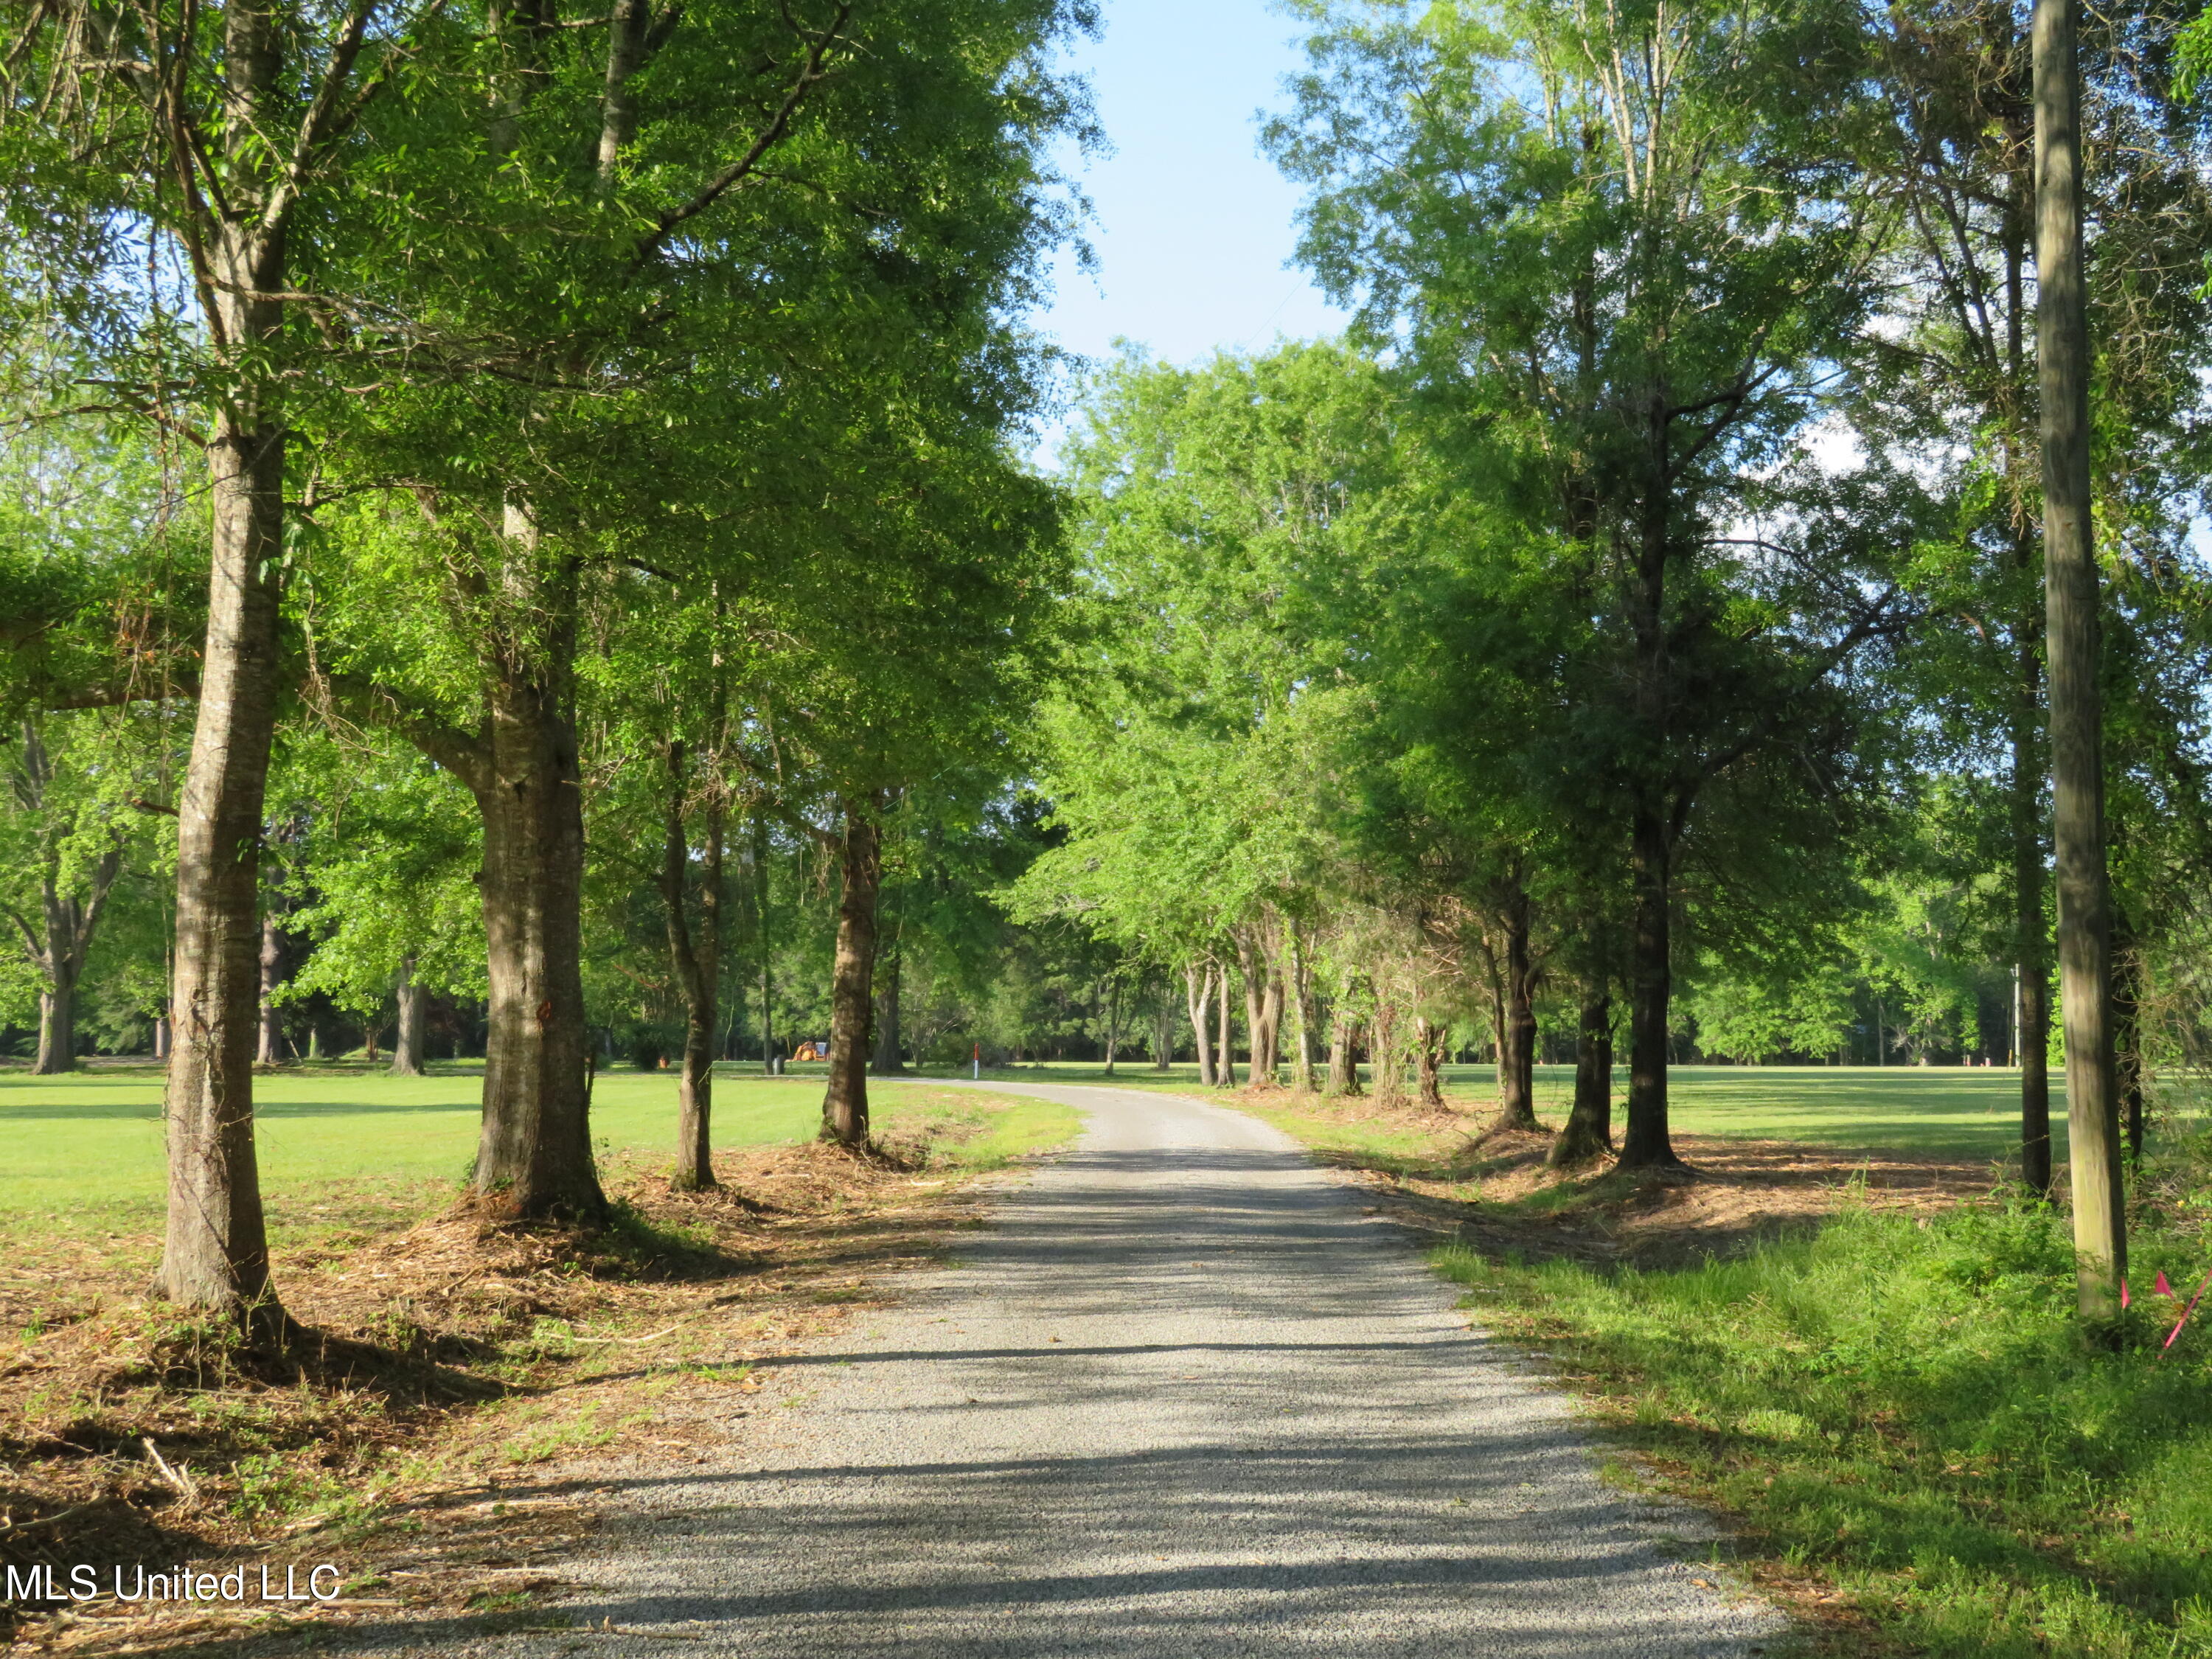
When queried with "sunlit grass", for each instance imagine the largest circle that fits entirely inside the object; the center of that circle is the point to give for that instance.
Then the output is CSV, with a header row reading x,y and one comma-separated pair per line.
x,y
341,1147
1908,1407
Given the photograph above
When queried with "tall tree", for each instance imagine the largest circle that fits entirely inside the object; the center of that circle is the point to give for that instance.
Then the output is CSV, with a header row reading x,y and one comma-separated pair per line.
x,y
1580,223
2072,601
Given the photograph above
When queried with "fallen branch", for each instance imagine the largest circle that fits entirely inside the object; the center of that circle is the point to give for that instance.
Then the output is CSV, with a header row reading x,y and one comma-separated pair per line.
x,y
632,1341
180,1483
10,1529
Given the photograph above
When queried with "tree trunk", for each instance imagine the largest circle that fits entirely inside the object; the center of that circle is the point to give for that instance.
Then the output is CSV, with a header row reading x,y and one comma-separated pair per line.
x,y
767,956
1431,1062
1112,1021
1344,1055
413,1012
1589,1133
2030,938
2031,934
1516,1051
1648,1143
162,1038
852,1004
534,1155
888,1062
1198,986
1309,1017
216,1248
1164,1031
1385,1051
2127,1034
697,959
1263,1002
269,1041
1225,1060
57,1027
2073,631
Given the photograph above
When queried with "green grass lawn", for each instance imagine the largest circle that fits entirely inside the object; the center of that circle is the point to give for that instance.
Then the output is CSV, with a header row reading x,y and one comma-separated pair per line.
x,y
342,1147
1942,1111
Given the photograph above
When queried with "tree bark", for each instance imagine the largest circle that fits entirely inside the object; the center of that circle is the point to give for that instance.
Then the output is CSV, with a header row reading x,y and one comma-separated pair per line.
x,y
1648,1143
413,1012
767,952
2032,934
1303,1001
888,1061
1263,1001
1431,1037
1344,1055
60,943
1588,1132
1386,1051
1164,1031
697,959
852,1003
269,1040
57,1051
1198,986
1225,1060
2128,1066
216,1249
1516,1049
1113,1020
2074,632
534,1155
2030,937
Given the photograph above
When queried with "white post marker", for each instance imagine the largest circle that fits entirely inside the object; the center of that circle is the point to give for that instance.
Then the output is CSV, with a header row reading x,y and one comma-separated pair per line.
x,y
979,1061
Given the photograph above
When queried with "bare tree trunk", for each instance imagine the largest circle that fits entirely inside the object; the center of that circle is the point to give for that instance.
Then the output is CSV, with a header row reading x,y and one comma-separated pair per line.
x,y
1163,1029
1648,1143
697,959
852,1004
1386,1051
767,954
1263,1001
1346,1047
1309,1017
414,1010
2030,939
534,1155
1198,986
215,1249
1588,1132
1113,1020
2074,630
1224,1062
1516,1051
2127,1034
888,1062
1431,1054
269,1042
57,1051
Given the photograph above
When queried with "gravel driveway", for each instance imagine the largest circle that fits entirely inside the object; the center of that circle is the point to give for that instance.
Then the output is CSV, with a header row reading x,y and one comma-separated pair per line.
x,y
1183,1399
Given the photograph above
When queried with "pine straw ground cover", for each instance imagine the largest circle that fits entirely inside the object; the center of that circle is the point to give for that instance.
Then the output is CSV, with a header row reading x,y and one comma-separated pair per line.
x,y
1869,1361
421,1430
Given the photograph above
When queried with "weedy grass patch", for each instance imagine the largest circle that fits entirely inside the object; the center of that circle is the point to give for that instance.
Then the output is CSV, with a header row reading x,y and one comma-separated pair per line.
x,y
1904,1406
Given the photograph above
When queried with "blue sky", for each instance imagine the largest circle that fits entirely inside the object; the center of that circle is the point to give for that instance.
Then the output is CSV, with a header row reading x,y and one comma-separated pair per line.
x,y
1192,228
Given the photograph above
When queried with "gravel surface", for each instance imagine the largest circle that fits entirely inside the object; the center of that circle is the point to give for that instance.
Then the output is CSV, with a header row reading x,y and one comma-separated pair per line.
x,y
1184,1399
